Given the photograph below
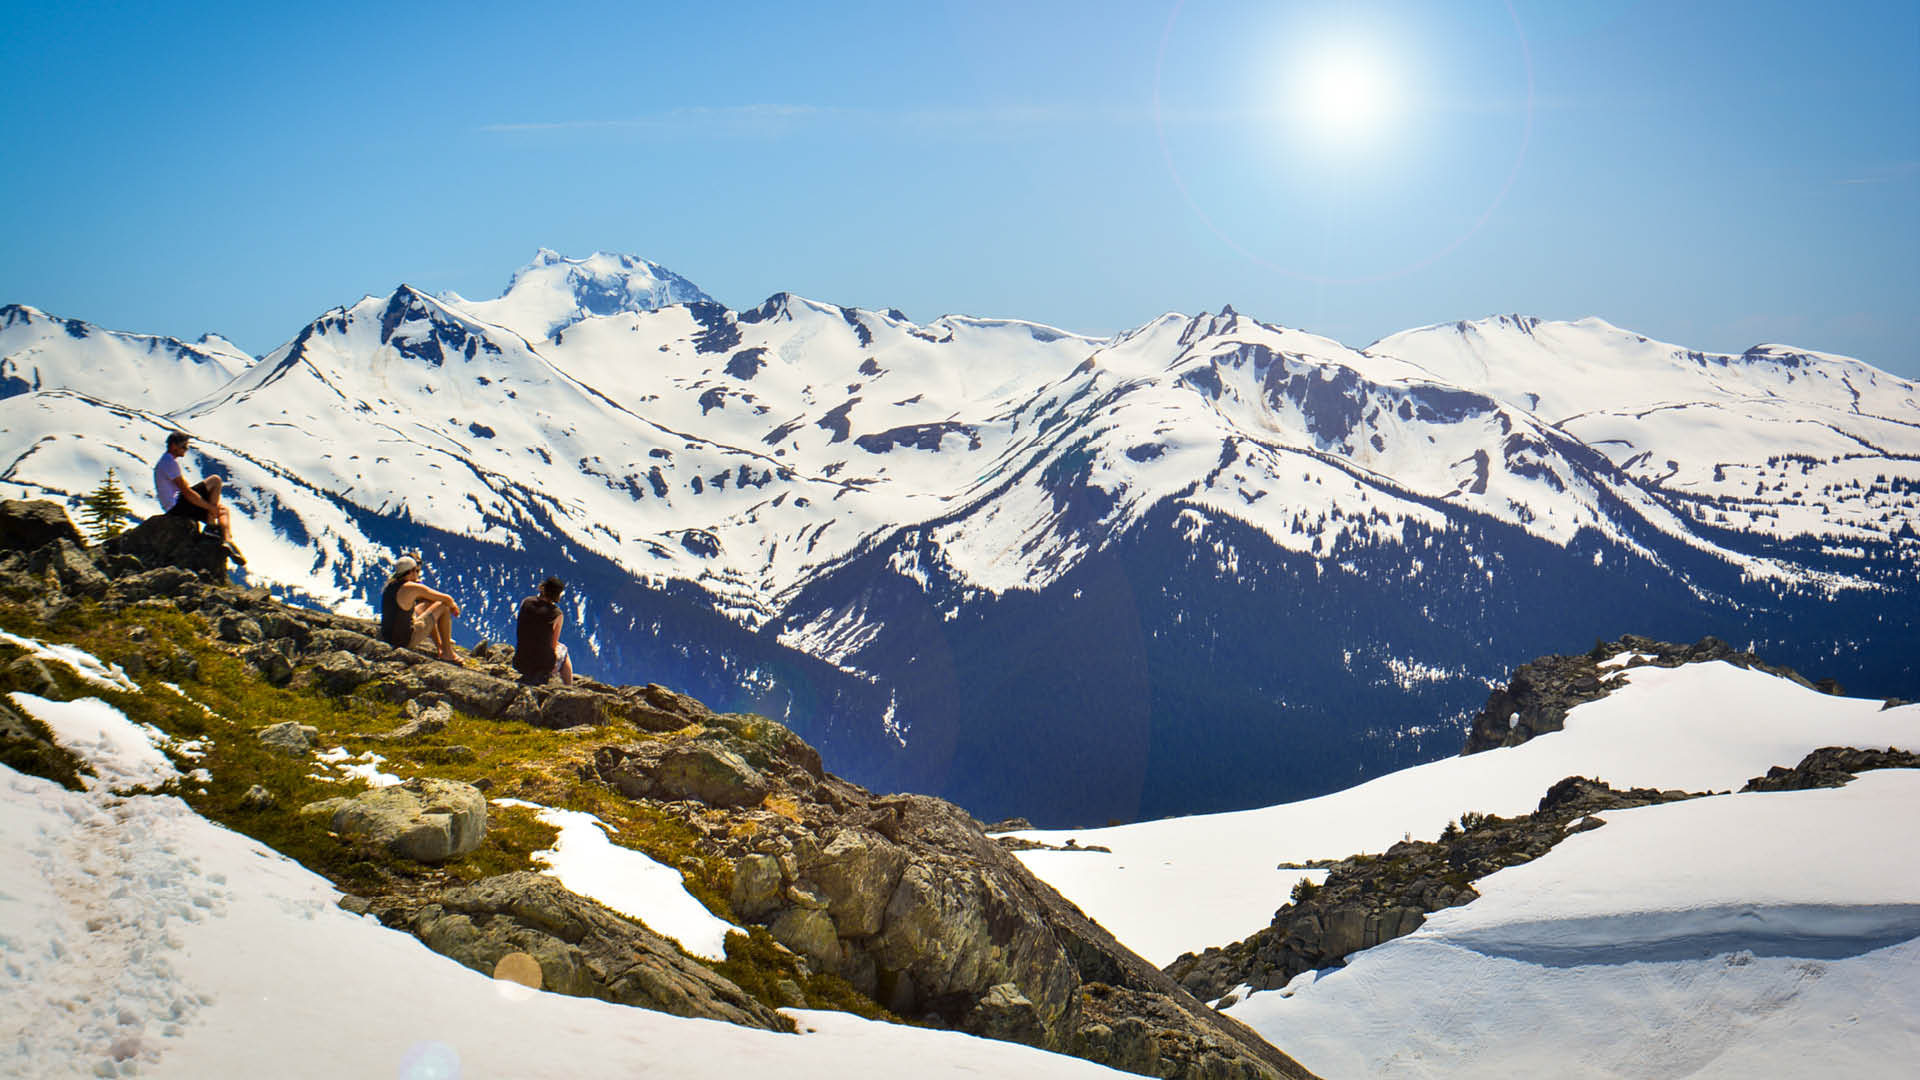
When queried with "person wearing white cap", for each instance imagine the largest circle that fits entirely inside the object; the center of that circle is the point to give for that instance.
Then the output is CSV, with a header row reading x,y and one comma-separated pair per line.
x,y
415,616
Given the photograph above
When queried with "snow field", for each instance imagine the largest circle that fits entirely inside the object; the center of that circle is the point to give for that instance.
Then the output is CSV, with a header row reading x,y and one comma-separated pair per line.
x,y
1772,933
1699,727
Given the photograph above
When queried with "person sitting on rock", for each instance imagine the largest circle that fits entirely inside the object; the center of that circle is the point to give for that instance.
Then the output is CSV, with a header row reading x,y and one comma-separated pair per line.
x,y
195,502
538,652
414,616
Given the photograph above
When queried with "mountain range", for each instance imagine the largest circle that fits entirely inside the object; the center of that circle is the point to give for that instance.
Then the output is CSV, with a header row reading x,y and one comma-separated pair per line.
x,y
1206,563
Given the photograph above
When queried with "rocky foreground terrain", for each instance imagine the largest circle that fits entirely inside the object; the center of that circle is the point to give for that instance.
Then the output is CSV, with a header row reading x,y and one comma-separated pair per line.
x,y
897,906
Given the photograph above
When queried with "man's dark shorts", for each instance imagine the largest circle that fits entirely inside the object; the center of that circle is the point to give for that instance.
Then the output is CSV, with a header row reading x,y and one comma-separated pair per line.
x,y
185,509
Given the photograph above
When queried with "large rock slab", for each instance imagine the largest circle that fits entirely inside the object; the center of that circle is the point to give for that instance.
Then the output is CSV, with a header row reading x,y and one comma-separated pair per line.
x,y
425,819
28,525
704,770
173,541
582,948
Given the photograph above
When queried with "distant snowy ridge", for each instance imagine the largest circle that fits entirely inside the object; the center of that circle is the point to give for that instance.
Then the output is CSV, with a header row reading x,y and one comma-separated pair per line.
x,y
39,351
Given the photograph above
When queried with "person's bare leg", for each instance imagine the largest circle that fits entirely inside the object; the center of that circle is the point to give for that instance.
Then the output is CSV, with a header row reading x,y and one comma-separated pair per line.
x,y
566,671
443,633
218,514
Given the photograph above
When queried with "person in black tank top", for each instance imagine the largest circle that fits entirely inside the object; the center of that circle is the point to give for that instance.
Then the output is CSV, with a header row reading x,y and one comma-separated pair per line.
x,y
537,651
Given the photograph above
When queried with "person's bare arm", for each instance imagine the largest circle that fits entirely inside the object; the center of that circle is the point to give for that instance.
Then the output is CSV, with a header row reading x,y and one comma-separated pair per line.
x,y
192,496
430,595
557,621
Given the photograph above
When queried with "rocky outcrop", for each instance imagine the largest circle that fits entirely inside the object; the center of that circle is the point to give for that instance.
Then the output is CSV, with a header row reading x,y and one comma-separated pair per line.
x,y
28,525
1831,766
175,542
424,819
581,948
1537,697
1370,899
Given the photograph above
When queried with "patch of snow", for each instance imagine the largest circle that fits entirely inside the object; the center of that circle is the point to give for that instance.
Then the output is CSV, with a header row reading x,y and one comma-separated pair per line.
x,y
88,666
587,862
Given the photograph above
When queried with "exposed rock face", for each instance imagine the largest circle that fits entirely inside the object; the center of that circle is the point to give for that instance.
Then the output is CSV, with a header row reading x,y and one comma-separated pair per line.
x,y
1831,766
702,769
425,819
1369,899
174,541
68,563
582,948
28,525
1536,699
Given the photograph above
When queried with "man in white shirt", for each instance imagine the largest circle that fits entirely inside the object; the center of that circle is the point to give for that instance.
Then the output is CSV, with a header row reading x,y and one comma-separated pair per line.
x,y
196,502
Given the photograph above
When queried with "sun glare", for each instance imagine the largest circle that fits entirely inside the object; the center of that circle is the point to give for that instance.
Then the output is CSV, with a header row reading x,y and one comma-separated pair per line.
x,y
1342,95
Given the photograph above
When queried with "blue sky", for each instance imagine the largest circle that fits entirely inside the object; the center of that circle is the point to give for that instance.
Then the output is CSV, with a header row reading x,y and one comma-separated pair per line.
x,y
1713,174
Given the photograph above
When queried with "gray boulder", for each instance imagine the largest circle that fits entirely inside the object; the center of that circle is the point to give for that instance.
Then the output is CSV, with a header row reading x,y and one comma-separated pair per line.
x,y
426,819
166,582
173,541
272,664
858,872
700,769
29,525
289,738
469,691
341,672
67,563
1004,1013
582,948
239,629
567,707
809,932
756,886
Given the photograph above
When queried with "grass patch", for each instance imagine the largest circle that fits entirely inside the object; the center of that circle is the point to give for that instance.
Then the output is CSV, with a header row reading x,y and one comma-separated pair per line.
x,y
757,964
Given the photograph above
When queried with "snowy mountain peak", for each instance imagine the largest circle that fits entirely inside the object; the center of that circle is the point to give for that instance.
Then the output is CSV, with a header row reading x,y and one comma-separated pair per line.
x,y
39,351
553,292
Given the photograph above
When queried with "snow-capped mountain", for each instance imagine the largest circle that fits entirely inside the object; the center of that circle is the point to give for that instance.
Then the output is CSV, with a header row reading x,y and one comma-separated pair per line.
x,y
39,351
554,292
1205,563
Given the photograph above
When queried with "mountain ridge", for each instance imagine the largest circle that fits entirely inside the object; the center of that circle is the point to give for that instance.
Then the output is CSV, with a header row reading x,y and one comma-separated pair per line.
x,y
825,478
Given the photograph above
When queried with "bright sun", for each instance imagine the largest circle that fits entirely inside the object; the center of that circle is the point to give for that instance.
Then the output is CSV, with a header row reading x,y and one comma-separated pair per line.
x,y
1343,95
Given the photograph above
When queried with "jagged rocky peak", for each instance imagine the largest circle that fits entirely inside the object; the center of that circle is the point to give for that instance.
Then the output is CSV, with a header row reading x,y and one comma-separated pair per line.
x,y
554,292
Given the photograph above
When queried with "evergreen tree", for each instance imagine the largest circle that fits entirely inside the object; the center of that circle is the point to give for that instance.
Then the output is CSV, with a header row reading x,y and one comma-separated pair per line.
x,y
106,510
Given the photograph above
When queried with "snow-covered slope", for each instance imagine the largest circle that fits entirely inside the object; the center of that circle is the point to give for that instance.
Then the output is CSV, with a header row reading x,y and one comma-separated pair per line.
x,y
140,939
1772,933
554,292
999,534
42,352
1708,935
1698,727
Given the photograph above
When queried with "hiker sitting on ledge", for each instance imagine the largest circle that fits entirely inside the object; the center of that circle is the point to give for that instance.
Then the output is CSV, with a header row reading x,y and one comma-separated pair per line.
x,y
537,652
197,502
413,616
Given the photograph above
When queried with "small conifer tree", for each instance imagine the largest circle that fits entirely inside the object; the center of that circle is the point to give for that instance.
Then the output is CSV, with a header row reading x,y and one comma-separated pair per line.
x,y
106,510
